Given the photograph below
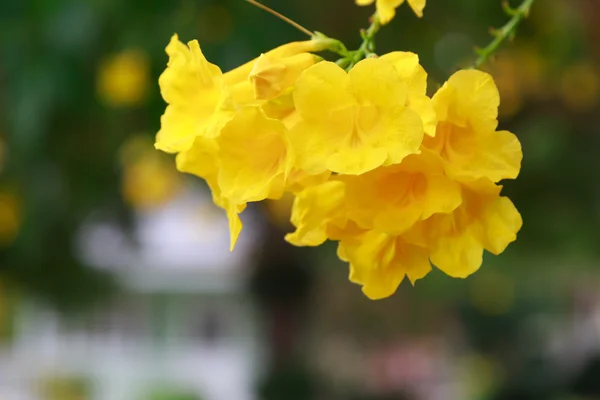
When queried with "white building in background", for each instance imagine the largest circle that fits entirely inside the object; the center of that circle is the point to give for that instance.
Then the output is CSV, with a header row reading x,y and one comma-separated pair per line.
x,y
184,320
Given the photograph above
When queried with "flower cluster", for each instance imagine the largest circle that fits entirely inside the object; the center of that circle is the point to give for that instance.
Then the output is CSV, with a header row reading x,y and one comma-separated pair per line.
x,y
400,180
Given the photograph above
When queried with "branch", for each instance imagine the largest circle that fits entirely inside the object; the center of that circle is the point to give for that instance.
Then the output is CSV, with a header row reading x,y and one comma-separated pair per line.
x,y
506,32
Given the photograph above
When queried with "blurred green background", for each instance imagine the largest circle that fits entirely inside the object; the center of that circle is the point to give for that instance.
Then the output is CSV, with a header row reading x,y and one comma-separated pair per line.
x,y
79,107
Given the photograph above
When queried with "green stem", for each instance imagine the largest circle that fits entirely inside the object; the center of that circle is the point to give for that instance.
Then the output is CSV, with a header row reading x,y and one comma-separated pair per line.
x,y
505,32
367,47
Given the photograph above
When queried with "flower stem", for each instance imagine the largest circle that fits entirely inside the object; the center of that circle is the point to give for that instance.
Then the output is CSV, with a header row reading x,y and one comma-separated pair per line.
x,y
281,17
366,49
507,31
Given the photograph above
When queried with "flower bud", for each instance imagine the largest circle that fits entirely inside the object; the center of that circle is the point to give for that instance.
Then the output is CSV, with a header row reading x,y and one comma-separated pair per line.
x,y
271,75
316,44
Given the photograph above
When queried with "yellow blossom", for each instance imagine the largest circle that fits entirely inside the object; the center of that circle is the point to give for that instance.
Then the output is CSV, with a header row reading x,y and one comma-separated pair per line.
x,y
393,199
123,78
253,167
466,138
353,122
314,209
386,9
379,262
241,168
202,160
485,220
409,69
241,73
199,102
271,76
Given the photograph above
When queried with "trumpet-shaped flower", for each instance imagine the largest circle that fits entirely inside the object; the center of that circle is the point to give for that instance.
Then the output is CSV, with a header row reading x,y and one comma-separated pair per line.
x,y
231,167
467,110
409,69
199,103
386,9
316,44
314,210
393,199
353,122
271,76
379,262
255,157
485,220
202,160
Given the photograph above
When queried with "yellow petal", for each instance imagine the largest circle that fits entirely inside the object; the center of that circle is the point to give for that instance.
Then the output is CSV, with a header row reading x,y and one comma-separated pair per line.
x,y
271,76
364,2
299,180
410,71
242,72
379,262
313,144
356,161
408,67
353,123
471,155
386,10
201,160
469,99
199,103
499,157
321,91
501,221
313,209
254,156
417,6
393,199
423,106
376,82
484,221
235,224
458,256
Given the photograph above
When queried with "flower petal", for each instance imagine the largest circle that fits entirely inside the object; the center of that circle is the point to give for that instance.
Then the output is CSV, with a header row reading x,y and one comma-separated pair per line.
x,y
376,82
469,98
254,156
320,91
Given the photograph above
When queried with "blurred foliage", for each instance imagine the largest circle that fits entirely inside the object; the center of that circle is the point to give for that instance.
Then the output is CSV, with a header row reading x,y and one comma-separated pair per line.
x,y
64,388
78,85
80,104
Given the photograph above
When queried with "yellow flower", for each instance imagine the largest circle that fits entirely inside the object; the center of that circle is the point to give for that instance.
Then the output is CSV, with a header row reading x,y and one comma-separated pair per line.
x,y
353,122
485,220
314,209
466,139
199,102
255,157
123,78
201,99
409,69
241,168
386,9
241,73
379,262
271,76
202,160
393,199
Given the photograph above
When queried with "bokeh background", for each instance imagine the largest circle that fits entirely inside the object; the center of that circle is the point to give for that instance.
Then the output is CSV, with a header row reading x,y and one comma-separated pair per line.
x,y
115,278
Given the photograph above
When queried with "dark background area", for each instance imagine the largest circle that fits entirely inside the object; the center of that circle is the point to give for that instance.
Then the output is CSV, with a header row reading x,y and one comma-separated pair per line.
x,y
79,107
